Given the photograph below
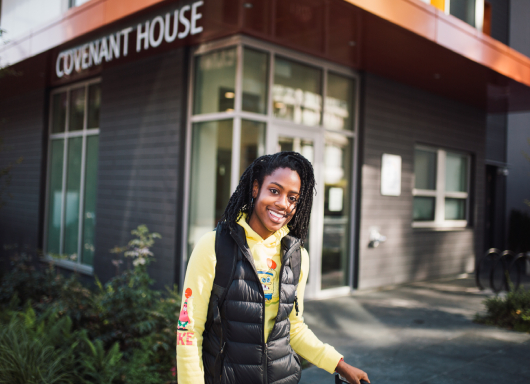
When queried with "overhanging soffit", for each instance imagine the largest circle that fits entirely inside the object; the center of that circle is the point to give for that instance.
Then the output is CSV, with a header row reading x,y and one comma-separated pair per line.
x,y
404,40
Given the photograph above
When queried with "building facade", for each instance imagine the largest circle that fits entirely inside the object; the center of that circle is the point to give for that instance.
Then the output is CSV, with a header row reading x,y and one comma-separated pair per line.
x,y
148,112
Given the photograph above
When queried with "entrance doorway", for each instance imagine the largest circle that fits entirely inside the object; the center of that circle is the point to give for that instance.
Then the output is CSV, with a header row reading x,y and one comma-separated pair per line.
x,y
250,98
329,241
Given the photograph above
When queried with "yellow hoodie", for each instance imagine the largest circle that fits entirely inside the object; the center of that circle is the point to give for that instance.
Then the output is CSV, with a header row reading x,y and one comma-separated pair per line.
x,y
198,286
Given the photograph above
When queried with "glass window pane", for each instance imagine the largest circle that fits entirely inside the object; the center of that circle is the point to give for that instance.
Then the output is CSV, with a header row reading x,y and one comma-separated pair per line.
x,y
210,176
255,71
94,103
423,208
339,104
73,185
455,209
58,112
303,146
89,211
252,143
464,10
55,193
425,169
77,109
215,79
455,172
337,199
297,91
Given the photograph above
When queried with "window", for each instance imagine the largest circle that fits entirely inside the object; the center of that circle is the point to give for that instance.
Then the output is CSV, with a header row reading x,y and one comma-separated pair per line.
x,y
76,3
441,188
72,174
251,98
464,10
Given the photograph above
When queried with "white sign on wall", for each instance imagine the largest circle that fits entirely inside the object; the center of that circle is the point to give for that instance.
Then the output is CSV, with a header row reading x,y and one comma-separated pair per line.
x,y
390,175
181,23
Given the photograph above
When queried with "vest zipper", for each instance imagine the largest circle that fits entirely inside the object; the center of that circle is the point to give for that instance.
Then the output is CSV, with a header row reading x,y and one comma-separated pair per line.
x,y
286,255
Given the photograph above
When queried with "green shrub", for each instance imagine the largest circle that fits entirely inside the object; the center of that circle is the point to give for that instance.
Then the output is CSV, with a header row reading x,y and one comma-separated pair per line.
x,y
123,332
511,311
29,350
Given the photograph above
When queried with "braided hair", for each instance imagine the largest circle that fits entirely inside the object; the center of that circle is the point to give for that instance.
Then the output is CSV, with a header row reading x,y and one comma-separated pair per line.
x,y
241,200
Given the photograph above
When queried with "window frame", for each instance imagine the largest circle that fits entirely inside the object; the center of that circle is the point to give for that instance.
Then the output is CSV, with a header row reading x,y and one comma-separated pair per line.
x,y
238,114
84,134
440,194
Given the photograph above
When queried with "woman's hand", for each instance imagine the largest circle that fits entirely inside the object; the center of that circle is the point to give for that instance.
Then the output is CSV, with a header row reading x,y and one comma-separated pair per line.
x,y
352,374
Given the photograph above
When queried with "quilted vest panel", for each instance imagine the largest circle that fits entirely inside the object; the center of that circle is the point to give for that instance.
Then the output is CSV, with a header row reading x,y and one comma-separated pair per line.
x,y
234,351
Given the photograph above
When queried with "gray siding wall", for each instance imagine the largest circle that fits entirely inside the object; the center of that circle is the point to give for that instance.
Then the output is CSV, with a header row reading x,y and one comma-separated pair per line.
x,y
519,26
500,19
518,180
22,130
496,124
140,163
397,117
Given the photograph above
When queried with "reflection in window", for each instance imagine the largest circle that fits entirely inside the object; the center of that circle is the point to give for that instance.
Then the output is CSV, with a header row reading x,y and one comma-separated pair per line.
x,y
423,208
296,94
464,10
440,199
255,79
252,143
215,77
455,172
71,215
425,169
337,208
297,144
76,3
210,176
59,112
338,110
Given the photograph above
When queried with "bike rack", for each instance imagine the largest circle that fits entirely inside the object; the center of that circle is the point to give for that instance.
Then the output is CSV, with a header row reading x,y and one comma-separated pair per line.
x,y
503,270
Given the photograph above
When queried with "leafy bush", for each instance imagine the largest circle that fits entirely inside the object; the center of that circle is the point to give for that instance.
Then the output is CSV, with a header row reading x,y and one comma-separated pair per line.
x,y
511,311
123,332
29,352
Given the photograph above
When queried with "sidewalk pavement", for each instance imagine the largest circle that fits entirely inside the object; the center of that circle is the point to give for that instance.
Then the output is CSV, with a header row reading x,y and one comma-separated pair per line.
x,y
419,333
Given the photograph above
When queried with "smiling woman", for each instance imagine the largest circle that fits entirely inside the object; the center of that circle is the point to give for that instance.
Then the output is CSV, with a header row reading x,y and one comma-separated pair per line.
x,y
275,202
248,280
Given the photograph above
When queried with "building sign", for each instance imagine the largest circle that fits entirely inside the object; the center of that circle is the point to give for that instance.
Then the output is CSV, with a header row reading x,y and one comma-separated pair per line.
x,y
391,175
177,25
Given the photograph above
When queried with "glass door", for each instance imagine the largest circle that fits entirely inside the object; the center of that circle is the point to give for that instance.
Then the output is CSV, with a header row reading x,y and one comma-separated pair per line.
x,y
304,141
329,240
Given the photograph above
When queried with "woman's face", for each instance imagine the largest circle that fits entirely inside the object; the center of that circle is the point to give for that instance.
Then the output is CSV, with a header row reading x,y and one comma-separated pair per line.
x,y
275,202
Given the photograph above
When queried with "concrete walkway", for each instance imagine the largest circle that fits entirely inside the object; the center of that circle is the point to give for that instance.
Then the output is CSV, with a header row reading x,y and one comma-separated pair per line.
x,y
419,333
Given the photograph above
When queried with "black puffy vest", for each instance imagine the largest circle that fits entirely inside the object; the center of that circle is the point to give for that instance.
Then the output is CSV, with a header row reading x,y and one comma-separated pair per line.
x,y
233,350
